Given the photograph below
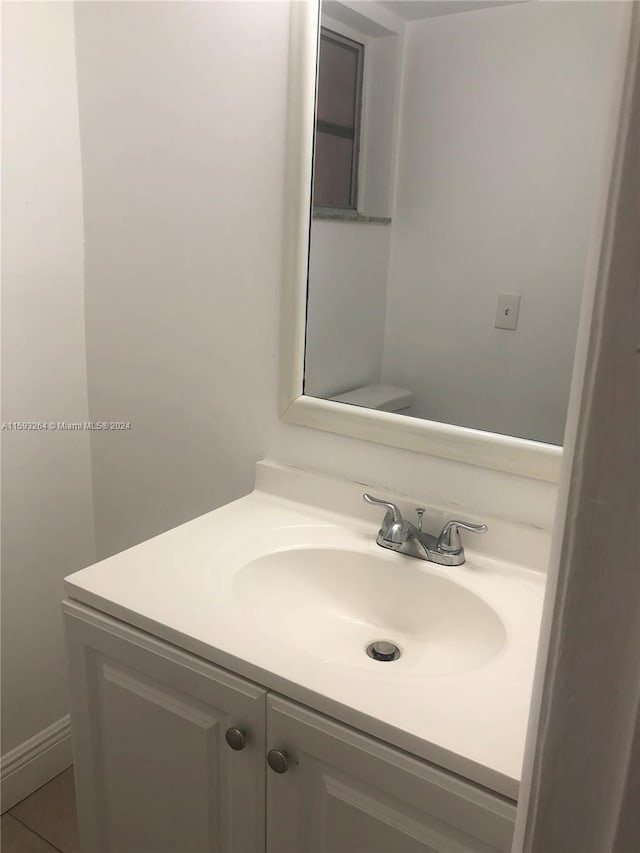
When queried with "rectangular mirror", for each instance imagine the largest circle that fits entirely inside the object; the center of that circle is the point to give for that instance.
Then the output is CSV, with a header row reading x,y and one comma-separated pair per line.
x,y
459,155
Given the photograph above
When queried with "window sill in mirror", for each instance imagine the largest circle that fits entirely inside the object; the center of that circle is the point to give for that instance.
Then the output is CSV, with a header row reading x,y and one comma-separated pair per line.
x,y
348,216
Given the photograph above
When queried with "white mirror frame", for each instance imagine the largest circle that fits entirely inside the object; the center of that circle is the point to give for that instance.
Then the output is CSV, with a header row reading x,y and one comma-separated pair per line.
x,y
488,450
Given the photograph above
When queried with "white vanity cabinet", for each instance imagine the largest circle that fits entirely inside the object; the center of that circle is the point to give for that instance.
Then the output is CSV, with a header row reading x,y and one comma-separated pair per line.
x,y
156,774
344,792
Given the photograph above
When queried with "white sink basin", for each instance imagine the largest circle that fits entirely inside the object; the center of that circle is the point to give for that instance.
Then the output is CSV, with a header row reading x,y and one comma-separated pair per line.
x,y
331,602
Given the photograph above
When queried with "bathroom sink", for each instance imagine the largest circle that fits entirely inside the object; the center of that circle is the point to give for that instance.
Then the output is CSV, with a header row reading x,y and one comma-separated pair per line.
x,y
332,602
287,589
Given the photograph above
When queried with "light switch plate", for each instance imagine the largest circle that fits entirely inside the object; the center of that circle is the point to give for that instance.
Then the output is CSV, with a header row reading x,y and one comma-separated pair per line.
x,y
507,310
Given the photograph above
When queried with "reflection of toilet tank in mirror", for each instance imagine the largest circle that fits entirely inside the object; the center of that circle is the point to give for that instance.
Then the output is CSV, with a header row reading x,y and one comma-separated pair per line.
x,y
385,398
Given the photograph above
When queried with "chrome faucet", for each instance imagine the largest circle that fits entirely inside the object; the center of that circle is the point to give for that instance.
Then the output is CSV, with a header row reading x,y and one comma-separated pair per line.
x,y
402,536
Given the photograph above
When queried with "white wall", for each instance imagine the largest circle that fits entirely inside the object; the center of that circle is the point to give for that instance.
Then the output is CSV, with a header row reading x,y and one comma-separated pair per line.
x,y
346,305
183,111
504,116
47,522
377,137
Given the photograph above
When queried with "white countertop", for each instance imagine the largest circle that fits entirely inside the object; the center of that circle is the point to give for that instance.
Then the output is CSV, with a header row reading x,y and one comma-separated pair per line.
x,y
179,586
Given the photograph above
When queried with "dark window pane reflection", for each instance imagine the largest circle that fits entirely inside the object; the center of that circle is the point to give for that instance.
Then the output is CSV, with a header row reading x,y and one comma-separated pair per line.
x,y
332,182
337,83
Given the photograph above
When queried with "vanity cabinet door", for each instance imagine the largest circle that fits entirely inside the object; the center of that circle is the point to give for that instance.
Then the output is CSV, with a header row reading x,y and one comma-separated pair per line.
x,y
154,772
344,792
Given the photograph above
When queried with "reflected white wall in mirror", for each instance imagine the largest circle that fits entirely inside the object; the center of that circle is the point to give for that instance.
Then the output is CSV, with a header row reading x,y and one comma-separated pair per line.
x,y
481,140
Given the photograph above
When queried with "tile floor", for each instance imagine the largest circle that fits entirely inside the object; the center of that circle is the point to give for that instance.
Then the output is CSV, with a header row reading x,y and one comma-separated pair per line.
x,y
45,822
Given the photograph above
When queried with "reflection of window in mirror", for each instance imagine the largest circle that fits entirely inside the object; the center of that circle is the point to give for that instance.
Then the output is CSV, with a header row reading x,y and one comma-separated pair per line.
x,y
356,115
339,104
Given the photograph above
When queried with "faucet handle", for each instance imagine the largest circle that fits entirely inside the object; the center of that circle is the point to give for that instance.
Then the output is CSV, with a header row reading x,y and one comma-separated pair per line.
x,y
449,539
393,528
393,516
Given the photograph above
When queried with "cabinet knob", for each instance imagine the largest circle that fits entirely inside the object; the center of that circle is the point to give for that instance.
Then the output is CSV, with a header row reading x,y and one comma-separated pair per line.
x,y
236,738
278,760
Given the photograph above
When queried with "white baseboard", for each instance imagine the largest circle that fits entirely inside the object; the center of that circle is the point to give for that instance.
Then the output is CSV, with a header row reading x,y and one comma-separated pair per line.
x,y
33,763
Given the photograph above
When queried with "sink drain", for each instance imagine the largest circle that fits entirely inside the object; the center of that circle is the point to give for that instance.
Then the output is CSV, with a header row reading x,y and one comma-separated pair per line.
x,y
383,650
